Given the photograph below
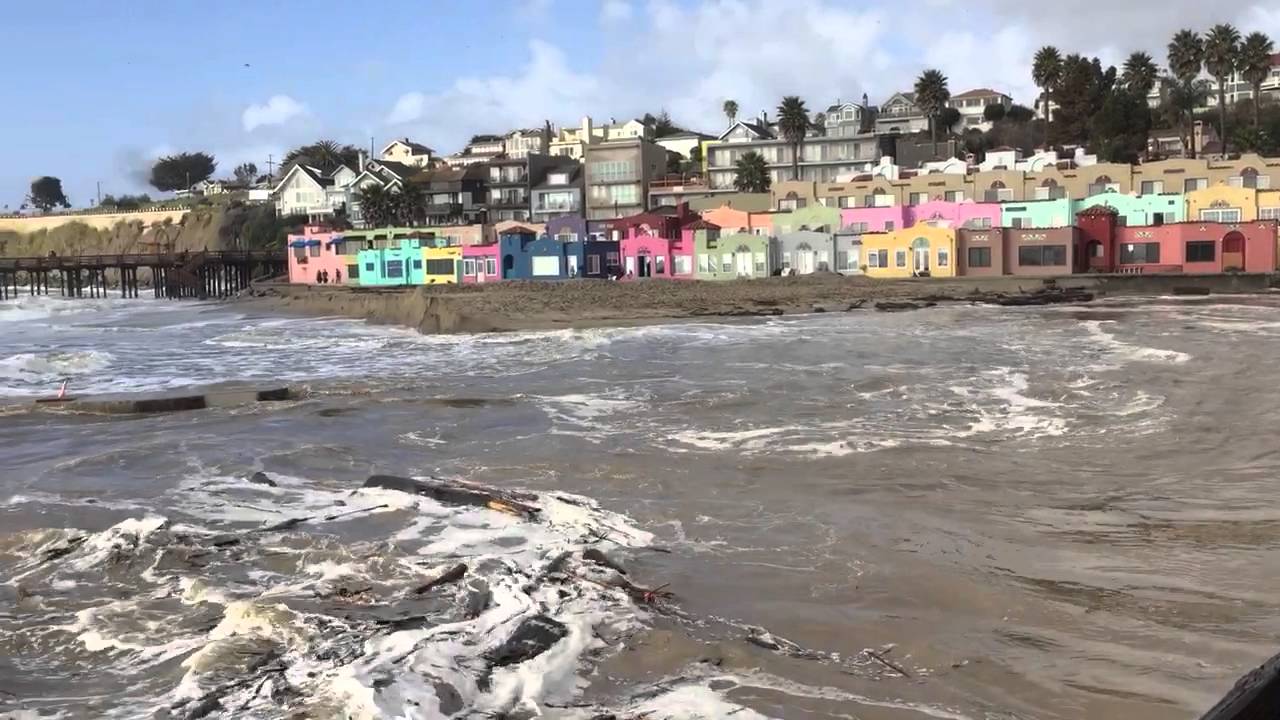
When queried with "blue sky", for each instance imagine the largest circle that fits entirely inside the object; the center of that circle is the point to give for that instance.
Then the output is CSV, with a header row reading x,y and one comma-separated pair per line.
x,y
99,90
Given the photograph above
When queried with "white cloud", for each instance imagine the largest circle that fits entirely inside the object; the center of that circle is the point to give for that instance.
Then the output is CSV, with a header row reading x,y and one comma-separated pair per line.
x,y
615,11
409,107
278,110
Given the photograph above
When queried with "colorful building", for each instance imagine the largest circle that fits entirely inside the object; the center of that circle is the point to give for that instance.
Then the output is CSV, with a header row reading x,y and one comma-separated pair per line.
x,y
567,228
980,253
442,265
480,264
526,256
861,220
918,251
731,256
803,252
1222,203
1037,214
818,218
1197,247
955,214
1039,251
601,259
1137,210
400,264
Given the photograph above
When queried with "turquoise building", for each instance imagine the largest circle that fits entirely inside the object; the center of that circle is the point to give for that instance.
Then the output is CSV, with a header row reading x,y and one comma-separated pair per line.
x,y
1037,214
399,264
1138,210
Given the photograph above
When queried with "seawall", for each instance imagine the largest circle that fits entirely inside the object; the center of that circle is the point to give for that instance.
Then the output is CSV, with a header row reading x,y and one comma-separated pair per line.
x,y
511,306
26,225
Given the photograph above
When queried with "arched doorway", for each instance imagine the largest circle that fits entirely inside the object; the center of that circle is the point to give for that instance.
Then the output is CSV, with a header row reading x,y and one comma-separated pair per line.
x,y
920,251
1233,251
742,261
804,259
644,263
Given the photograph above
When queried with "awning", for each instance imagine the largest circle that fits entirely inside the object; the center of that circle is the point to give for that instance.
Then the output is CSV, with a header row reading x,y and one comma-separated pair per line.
x,y
335,241
304,243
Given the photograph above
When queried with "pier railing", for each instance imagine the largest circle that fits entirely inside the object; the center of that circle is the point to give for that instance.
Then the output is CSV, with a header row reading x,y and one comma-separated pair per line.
x,y
204,274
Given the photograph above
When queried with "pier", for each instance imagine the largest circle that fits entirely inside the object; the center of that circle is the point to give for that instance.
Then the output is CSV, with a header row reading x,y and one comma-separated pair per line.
x,y
198,275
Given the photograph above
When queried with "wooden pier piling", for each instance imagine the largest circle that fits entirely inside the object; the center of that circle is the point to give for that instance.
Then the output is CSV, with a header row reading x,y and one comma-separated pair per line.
x,y
198,275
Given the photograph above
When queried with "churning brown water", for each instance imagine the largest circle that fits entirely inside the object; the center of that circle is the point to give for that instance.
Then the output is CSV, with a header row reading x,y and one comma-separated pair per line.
x,y
954,513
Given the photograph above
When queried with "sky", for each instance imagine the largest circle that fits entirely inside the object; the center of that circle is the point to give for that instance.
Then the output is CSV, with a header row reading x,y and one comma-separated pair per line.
x,y
96,91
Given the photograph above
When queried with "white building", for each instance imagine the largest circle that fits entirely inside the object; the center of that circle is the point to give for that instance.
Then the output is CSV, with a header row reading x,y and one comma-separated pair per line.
x,y
307,191
572,142
683,142
407,152
518,144
972,105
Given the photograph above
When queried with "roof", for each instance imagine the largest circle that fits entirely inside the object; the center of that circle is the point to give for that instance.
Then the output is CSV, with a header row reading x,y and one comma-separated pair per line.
x,y
398,169
977,93
521,229
315,174
574,170
701,224
417,148
485,139
761,130
908,96
1097,211
684,134
839,105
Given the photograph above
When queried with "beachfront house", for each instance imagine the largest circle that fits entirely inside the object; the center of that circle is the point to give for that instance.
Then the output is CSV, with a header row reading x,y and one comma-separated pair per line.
x,y
527,256
731,256
480,264
392,264
442,264
918,251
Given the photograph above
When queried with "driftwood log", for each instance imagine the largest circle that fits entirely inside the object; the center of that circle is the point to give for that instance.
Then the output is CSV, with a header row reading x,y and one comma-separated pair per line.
x,y
453,492
1256,696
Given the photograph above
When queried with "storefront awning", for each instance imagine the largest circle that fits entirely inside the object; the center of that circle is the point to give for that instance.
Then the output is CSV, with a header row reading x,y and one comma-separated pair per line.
x,y
304,243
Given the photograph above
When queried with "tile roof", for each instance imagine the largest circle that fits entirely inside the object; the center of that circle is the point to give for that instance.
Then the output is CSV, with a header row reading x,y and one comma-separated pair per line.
x,y
976,93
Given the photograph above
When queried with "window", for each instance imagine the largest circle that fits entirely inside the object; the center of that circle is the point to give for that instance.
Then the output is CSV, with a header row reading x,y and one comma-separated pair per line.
x,y
759,263
888,226
1042,255
704,263
368,267
612,171
1200,250
884,257
900,258
440,266
353,272
1017,222
873,259
979,257
395,268
726,262
611,259
314,250
660,265
469,267
1152,187
1157,219
1097,188
786,261
917,198
545,266
1194,184
847,201
881,200
1221,215
683,264
944,257
858,228
564,236
1138,253
954,196
999,195
491,266
1269,213
979,223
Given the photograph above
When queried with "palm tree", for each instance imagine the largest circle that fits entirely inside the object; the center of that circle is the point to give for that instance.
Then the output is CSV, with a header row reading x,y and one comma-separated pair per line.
x,y
730,108
1140,74
932,96
753,174
1255,66
793,122
1184,98
1046,72
411,203
1186,58
376,205
1221,51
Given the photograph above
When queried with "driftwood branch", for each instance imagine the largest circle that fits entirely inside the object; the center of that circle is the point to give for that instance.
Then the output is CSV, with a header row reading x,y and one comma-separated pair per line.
x,y
452,492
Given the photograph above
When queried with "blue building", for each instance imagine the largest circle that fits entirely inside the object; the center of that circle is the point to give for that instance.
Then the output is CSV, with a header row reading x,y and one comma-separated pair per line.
x,y
397,265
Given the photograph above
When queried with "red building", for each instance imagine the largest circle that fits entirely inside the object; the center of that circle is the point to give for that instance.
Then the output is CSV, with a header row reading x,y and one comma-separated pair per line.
x,y
1103,245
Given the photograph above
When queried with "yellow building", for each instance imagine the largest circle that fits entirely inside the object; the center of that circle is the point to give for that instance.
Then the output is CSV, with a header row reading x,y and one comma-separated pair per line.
x,y
915,251
442,265
1222,203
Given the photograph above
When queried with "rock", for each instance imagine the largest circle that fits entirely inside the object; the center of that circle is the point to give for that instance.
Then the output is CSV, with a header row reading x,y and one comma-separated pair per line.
x,y
453,574
819,308
598,557
261,478
888,306
479,597
533,637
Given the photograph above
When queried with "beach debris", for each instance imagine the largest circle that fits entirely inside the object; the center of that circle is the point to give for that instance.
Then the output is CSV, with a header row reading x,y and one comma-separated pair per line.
x,y
900,306
453,574
261,478
879,656
598,557
1254,696
456,492
1043,296
534,636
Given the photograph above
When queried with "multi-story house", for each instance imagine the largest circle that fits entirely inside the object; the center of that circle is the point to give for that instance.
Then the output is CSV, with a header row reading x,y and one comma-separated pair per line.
x,y
683,143
304,190
407,152
901,114
559,193
482,148
523,142
511,182
454,196
972,105
845,119
573,142
822,158
617,175
1238,89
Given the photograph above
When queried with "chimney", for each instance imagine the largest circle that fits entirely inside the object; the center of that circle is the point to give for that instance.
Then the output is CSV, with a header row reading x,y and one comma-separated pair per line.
x,y
764,117
586,129
359,161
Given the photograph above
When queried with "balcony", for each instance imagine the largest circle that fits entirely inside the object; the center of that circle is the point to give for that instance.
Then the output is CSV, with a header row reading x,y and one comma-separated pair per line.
x,y
509,179
568,206
446,208
678,183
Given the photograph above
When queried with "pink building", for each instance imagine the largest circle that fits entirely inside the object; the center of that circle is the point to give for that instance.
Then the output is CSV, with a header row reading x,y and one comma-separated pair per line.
x,y
652,245
968,214
873,219
480,264
320,250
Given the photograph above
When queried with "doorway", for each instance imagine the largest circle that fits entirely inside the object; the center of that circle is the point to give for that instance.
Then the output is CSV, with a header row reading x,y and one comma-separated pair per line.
x,y
573,266
742,262
920,252
804,259
1233,251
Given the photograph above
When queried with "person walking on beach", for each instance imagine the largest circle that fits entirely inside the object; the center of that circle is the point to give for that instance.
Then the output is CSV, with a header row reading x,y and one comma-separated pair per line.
x,y
319,277
337,277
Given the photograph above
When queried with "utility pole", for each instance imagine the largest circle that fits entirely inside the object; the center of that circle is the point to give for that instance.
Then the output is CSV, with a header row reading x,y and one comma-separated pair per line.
x,y
271,176
99,183
370,148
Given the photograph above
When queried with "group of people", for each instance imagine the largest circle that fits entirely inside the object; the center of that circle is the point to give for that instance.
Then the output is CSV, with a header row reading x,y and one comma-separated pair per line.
x,y
322,277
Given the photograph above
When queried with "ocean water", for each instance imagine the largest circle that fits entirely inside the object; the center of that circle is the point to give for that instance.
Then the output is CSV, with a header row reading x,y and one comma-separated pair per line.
x,y
962,512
